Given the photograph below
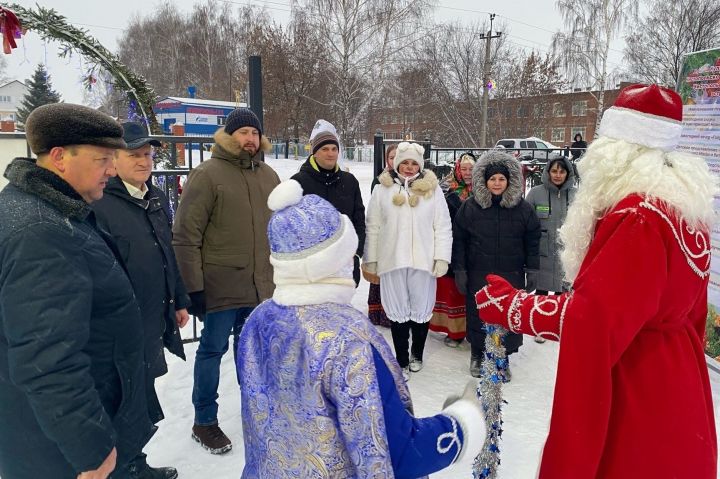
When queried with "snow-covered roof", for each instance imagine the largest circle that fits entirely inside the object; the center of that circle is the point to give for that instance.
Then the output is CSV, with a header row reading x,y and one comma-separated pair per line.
x,y
201,102
11,82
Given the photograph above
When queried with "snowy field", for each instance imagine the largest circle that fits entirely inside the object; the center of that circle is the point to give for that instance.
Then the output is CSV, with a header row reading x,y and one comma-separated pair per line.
x,y
526,415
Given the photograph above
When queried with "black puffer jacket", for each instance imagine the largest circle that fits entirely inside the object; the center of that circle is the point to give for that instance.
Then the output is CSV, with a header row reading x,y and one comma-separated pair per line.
x,y
71,356
496,235
342,190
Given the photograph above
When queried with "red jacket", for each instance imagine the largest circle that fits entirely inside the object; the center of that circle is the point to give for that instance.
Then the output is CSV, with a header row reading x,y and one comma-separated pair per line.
x,y
632,397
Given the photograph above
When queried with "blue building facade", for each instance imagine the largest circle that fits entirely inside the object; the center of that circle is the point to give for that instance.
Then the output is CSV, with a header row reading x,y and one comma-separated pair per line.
x,y
200,117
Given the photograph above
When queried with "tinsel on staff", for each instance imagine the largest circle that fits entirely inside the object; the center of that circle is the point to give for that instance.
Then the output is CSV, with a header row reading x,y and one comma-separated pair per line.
x,y
493,374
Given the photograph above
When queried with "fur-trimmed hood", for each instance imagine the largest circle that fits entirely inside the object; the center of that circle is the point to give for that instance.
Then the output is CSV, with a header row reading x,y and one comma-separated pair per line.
x,y
512,195
421,187
26,175
614,169
227,148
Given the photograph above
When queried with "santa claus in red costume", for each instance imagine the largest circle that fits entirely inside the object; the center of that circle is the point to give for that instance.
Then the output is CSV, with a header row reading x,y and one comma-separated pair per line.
x,y
632,397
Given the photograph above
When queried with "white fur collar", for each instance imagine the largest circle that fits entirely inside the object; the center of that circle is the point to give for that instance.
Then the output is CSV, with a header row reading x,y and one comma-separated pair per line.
x,y
614,169
316,293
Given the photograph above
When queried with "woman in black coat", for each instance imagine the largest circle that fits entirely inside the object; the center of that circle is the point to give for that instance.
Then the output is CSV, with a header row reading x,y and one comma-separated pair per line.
x,y
496,232
578,147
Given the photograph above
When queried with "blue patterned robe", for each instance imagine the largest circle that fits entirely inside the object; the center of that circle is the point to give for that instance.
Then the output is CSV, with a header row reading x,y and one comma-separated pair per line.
x,y
311,403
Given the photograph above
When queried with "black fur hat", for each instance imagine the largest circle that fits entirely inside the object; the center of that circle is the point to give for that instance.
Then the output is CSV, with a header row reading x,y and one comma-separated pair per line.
x,y
63,124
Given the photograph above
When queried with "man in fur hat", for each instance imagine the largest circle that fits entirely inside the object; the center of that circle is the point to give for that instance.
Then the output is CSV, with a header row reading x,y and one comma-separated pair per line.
x,y
72,384
632,396
220,240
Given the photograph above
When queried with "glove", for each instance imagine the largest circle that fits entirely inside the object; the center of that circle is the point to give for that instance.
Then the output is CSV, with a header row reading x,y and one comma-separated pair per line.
x,y
370,267
494,300
197,306
369,277
467,411
531,280
440,267
461,281
356,270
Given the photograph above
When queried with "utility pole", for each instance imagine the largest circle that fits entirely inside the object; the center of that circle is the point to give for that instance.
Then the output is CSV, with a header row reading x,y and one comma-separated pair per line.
x,y
486,80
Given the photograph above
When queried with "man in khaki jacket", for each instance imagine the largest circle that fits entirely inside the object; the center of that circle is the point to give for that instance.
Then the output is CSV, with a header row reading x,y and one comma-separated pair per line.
x,y
220,240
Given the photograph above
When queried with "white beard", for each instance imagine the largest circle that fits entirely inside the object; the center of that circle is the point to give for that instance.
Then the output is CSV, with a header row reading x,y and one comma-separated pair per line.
x,y
613,169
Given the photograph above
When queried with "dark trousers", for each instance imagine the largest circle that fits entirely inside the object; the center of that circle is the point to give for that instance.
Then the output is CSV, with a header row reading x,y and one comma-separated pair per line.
x,y
476,332
401,336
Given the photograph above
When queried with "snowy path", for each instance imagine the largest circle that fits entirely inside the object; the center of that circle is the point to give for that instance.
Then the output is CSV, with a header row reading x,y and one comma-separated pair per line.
x,y
526,415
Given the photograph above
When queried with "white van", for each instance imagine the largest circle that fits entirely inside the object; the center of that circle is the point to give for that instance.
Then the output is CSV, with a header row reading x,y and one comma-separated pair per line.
x,y
528,146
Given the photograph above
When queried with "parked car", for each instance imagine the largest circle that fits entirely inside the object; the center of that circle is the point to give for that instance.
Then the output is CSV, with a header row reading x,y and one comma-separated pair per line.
x,y
534,148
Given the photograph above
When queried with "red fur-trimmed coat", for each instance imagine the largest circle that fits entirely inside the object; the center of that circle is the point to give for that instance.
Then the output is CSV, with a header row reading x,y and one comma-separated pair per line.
x,y
632,397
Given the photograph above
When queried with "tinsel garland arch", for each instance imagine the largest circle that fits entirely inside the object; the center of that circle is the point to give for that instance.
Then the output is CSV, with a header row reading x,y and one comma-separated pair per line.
x,y
50,25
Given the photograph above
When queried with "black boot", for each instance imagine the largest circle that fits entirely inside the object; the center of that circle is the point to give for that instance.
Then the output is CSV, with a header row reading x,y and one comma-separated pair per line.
x,y
139,469
475,366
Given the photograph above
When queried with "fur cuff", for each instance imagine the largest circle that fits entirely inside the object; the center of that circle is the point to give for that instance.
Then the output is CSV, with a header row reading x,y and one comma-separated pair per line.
x,y
472,423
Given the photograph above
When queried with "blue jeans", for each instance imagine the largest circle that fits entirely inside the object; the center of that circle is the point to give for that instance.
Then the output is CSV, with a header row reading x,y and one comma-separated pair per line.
x,y
214,343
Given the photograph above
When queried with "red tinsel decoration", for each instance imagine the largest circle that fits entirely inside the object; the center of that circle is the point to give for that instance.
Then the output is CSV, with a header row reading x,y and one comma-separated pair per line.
x,y
10,28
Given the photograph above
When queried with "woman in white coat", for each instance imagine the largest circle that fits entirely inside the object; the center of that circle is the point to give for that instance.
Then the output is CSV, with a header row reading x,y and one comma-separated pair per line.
x,y
408,244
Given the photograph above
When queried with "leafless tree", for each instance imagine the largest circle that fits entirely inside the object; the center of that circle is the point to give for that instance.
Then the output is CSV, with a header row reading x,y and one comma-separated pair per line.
x,y
363,38
103,95
657,43
584,46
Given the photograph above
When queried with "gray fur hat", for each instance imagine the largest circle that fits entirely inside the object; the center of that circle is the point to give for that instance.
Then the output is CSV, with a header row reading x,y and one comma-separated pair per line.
x,y
499,160
63,124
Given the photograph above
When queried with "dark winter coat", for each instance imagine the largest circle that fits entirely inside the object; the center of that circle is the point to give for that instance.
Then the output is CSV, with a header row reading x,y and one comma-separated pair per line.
x,y
142,230
551,205
220,228
577,148
342,190
498,235
71,355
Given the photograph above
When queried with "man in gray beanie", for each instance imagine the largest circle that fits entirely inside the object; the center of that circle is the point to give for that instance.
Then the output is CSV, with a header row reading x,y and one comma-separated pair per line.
x,y
220,240
71,374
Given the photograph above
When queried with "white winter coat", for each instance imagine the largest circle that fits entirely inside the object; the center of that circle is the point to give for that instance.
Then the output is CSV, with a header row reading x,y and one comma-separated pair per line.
x,y
407,229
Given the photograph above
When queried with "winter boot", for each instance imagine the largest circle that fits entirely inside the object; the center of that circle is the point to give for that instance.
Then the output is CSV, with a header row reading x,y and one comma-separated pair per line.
x,y
452,343
406,373
508,374
139,469
415,364
475,366
212,438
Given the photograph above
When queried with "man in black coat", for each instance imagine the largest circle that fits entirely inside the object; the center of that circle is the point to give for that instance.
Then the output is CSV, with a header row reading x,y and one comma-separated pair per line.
x,y
320,175
71,365
137,215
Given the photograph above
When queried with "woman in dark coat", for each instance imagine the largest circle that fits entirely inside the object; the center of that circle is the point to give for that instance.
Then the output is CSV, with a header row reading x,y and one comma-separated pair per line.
x,y
498,232
449,312
578,147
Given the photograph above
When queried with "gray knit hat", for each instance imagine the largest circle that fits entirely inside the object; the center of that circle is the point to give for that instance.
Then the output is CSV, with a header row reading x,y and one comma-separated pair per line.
x,y
63,124
241,117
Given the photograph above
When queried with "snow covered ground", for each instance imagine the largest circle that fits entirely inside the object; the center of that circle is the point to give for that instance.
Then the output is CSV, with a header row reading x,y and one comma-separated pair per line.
x,y
526,415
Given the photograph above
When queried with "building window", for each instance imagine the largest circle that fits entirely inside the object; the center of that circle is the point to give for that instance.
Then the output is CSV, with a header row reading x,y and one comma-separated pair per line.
x,y
539,111
221,120
558,135
575,130
579,108
522,111
539,133
558,109
5,99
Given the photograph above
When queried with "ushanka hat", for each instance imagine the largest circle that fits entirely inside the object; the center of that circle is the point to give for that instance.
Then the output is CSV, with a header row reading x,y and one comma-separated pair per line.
x,y
309,239
647,115
65,124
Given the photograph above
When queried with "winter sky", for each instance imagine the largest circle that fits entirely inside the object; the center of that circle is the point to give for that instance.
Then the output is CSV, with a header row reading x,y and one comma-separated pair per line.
x,y
531,24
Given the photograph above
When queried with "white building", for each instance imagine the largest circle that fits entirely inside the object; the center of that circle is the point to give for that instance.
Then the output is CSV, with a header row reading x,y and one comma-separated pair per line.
x,y
11,95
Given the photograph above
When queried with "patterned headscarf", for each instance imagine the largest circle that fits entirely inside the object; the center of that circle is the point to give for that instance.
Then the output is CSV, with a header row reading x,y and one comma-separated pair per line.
x,y
456,182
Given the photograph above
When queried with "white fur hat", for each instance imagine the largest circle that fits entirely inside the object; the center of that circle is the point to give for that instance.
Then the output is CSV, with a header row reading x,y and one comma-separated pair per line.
x,y
409,151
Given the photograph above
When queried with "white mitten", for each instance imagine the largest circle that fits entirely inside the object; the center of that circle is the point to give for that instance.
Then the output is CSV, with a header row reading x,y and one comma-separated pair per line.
x,y
440,267
467,411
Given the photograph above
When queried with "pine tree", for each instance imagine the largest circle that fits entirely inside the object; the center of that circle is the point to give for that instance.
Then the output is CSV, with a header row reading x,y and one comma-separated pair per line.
x,y
39,93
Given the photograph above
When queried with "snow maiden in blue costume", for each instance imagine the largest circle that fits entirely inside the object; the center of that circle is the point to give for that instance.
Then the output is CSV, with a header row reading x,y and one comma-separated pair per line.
x,y
322,394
